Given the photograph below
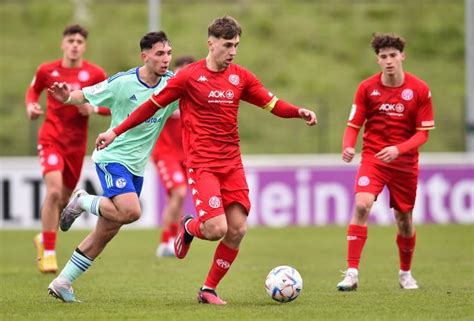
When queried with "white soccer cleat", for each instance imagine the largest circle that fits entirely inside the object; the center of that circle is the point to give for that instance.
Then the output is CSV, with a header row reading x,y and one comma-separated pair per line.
x,y
407,282
165,250
61,289
72,210
350,281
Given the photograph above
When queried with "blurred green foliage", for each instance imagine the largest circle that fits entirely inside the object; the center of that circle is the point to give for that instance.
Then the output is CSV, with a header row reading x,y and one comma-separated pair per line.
x,y
311,53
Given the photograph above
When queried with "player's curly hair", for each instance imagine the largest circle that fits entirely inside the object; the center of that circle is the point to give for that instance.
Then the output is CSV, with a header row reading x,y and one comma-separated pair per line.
x,y
75,28
226,27
387,40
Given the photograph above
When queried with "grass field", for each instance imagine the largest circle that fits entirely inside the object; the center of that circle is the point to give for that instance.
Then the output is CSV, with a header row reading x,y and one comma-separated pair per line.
x,y
128,282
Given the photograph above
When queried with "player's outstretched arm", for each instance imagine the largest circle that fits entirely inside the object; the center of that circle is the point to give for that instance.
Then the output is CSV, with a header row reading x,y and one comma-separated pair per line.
x,y
61,92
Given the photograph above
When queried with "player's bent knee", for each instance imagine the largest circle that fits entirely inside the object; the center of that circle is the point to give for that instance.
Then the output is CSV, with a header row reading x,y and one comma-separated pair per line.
x,y
362,209
214,232
129,216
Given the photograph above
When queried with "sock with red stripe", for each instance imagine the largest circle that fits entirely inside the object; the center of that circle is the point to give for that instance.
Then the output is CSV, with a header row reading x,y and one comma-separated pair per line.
x,y
356,237
223,259
406,247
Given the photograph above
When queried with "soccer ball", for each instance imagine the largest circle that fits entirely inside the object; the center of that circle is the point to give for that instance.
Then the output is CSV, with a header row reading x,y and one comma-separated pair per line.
x,y
284,284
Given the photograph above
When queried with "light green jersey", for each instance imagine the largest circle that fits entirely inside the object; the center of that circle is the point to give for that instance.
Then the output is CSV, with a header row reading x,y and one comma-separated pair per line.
x,y
123,93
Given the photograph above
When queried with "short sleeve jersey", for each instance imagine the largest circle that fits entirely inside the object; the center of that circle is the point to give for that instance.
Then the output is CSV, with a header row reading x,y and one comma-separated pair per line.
x,y
209,103
169,145
123,93
63,124
392,115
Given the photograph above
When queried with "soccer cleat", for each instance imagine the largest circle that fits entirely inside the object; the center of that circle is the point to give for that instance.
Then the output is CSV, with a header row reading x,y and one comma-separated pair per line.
x,y
71,211
209,296
165,250
61,289
45,264
407,282
183,239
350,281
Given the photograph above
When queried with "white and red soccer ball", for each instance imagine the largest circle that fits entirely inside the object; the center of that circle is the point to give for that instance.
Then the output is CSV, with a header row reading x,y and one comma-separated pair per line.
x,y
284,284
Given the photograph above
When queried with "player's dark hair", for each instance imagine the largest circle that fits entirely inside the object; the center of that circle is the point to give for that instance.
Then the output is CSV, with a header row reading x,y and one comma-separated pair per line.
x,y
225,27
149,40
183,61
73,29
387,40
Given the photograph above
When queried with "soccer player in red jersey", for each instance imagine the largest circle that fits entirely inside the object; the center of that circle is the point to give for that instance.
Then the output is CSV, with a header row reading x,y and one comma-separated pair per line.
x,y
209,92
397,111
168,157
62,138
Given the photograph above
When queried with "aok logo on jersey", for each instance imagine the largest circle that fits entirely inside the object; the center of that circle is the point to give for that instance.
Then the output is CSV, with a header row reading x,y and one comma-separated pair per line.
x,y
392,109
227,94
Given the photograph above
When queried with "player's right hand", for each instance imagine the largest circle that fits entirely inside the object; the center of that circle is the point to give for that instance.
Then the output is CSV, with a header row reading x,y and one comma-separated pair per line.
x,y
33,110
105,139
60,91
348,154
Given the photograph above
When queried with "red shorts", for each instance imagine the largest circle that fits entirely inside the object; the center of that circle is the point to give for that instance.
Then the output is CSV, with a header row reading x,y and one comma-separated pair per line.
x,y
372,178
172,173
69,163
214,190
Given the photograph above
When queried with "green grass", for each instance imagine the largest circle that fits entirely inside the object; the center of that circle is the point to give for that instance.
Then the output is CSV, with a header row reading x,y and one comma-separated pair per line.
x,y
128,282
311,53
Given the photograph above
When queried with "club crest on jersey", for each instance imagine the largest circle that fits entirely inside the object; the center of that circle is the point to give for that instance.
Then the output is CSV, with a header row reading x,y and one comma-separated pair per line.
x,y
83,75
407,94
121,182
53,159
214,202
234,79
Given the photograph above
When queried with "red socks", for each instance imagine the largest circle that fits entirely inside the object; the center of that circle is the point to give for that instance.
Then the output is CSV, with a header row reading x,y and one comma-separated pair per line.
x,y
406,247
193,227
165,236
49,240
173,229
223,258
356,236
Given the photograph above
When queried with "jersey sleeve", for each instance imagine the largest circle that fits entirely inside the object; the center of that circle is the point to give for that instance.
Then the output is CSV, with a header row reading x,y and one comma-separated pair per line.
x,y
424,116
174,89
256,94
359,108
101,94
38,84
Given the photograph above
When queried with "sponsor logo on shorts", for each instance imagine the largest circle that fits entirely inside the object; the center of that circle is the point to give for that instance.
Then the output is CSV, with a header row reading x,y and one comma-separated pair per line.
x,y
407,94
223,264
214,202
53,159
363,181
121,182
202,212
351,237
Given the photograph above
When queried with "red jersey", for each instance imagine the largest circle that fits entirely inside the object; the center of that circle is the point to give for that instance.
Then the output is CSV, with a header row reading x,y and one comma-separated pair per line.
x,y
392,115
170,142
209,103
63,124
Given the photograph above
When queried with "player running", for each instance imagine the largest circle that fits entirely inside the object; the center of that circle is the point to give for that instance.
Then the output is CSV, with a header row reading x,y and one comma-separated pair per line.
x,y
62,139
120,167
210,91
168,157
397,110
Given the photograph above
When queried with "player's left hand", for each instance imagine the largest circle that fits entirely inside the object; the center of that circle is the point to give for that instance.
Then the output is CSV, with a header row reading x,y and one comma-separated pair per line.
x,y
388,154
309,116
85,109
60,91
105,139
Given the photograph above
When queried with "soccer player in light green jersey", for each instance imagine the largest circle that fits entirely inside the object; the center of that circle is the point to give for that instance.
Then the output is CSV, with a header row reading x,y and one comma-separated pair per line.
x,y
121,166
